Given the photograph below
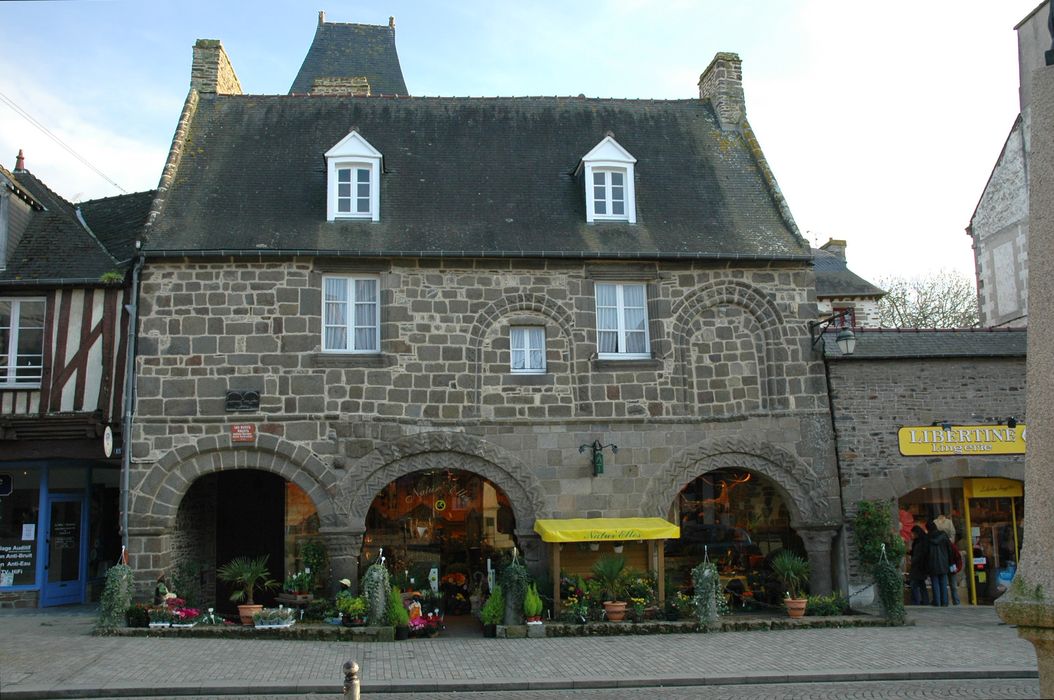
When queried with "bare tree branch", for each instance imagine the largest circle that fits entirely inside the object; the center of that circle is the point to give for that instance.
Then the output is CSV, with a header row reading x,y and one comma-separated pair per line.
x,y
944,299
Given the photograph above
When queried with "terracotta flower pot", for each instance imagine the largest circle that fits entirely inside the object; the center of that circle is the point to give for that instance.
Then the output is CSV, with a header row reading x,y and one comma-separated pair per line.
x,y
795,606
245,612
615,610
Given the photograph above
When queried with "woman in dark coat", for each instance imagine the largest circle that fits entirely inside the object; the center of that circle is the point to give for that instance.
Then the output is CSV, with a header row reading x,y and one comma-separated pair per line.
x,y
919,572
940,558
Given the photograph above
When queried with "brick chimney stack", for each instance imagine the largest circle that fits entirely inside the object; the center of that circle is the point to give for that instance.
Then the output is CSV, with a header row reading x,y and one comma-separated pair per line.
x,y
321,17
20,162
391,23
722,84
835,247
212,71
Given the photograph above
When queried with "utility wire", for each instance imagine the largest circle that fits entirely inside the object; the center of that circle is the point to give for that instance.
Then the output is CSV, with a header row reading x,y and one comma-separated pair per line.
x,y
47,132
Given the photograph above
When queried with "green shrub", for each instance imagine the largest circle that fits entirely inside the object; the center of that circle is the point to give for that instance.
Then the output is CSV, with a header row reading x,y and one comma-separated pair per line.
x,y
137,616
397,614
532,602
116,596
880,549
827,605
493,611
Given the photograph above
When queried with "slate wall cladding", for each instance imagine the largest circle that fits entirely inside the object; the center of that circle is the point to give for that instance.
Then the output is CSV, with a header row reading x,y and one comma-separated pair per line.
x,y
874,398
736,338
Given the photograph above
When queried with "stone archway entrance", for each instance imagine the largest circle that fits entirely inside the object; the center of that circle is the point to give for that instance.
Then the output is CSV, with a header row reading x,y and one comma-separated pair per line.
x,y
441,531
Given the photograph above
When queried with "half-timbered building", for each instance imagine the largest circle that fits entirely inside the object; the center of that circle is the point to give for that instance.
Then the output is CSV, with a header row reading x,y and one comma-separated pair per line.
x,y
63,354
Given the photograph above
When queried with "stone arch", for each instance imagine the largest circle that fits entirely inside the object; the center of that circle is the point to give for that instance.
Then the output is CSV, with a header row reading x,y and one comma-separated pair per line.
x,y
156,500
801,488
443,450
919,475
770,334
558,314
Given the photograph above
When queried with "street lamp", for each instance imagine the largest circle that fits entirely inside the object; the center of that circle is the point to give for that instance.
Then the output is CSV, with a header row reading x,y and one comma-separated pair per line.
x,y
598,455
845,339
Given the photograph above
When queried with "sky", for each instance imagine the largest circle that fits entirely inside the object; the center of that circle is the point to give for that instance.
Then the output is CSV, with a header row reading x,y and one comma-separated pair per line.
x,y
881,121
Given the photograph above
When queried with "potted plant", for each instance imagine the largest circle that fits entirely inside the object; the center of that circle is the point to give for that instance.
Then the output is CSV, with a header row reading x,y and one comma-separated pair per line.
x,y
793,573
493,612
299,585
532,605
274,617
247,576
398,615
352,609
608,573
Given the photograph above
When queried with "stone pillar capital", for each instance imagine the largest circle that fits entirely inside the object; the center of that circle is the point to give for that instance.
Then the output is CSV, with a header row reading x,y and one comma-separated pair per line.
x,y
817,539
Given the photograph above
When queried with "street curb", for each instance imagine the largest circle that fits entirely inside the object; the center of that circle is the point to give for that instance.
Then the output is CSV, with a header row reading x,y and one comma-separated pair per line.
x,y
455,686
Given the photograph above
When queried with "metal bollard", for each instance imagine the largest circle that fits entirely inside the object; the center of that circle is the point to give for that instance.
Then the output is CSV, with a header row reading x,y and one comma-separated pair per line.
x,y
351,680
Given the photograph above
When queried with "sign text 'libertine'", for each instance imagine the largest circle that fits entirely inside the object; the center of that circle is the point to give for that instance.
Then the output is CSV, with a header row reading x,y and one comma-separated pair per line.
x,y
963,440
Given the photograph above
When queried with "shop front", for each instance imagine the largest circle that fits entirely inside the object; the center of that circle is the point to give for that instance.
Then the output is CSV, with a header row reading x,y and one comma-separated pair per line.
x,y
738,520
442,532
58,531
983,517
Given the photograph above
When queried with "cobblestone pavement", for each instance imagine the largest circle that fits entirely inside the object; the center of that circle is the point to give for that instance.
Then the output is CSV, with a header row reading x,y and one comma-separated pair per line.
x,y
48,653
1025,689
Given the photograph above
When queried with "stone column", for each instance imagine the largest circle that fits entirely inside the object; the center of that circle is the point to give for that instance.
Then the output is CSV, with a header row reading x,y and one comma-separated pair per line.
x,y
534,553
818,546
149,556
343,546
1029,603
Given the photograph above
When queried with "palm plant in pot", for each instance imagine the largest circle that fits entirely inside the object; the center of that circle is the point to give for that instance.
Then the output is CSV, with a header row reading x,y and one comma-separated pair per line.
x,y
247,576
609,573
793,573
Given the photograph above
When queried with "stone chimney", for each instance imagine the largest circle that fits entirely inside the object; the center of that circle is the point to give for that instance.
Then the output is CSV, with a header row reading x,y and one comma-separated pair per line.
x,y
321,17
722,84
212,71
835,247
20,162
391,23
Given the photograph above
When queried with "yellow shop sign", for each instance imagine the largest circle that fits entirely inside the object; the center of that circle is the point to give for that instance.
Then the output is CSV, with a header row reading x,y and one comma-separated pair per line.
x,y
963,440
992,487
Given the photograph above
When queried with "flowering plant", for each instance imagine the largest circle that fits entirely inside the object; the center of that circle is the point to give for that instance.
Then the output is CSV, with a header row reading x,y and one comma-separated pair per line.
x,y
426,625
638,604
456,578
185,616
300,582
160,614
576,609
211,618
274,616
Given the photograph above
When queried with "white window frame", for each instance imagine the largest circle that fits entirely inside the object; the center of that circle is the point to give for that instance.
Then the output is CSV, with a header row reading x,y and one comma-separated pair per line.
x,y
9,376
350,301
526,349
355,153
621,329
606,157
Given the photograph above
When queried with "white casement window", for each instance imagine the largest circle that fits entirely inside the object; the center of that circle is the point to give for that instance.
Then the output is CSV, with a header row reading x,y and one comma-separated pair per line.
x,y
608,174
353,169
351,314
21,341
527,344
622,321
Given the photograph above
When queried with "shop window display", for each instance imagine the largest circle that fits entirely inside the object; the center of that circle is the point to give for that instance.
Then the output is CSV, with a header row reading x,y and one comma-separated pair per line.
x,y
441,533
19,519
739,521
983,517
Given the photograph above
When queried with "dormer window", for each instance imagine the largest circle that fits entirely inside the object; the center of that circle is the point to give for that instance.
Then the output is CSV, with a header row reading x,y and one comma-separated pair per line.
x,y
353,182
608,177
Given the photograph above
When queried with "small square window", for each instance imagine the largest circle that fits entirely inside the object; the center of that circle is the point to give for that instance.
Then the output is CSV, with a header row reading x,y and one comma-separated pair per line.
x,y
527,345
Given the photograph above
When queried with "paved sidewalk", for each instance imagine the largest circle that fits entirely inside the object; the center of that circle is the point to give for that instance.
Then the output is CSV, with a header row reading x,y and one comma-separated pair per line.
x,y
51,654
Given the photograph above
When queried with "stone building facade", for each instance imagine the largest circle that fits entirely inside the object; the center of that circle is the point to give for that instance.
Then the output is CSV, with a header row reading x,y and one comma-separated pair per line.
x,y
440,394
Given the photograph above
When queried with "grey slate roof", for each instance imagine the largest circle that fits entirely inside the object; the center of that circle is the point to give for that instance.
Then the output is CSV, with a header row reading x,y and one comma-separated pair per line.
x,y
469,176
56,248
835,279
875,344
352,50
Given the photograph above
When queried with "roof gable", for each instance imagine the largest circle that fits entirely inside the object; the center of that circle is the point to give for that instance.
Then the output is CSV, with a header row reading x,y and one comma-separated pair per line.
x,y
609,150
353,146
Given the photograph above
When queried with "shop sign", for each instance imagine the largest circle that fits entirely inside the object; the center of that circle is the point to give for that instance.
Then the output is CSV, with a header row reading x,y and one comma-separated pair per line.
x,y
17,563
992,487
962,440
243,432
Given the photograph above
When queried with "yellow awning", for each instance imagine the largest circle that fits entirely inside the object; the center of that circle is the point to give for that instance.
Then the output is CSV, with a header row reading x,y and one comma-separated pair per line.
x,y
605,529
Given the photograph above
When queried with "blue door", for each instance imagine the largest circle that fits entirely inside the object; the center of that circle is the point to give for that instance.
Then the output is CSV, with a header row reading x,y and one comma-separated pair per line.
x,y
64,559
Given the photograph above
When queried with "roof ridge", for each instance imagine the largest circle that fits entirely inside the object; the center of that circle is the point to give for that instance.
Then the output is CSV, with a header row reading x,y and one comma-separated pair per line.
x,y
380,96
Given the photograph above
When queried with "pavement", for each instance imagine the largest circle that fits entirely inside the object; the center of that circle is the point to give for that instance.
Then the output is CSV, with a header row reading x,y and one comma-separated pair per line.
x,y
48,654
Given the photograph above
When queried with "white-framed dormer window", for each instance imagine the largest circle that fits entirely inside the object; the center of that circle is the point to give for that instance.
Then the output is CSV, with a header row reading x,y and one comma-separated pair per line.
x,y
622,321
21,341
353,186
607,173
527,346
351,314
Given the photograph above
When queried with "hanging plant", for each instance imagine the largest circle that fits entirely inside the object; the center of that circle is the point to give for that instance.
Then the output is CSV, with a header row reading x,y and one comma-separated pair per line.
x,y
375,589
709,603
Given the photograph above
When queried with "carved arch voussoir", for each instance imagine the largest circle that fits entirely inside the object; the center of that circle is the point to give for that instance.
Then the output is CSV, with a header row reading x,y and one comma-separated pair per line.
x,y
802,489
442,450
182,467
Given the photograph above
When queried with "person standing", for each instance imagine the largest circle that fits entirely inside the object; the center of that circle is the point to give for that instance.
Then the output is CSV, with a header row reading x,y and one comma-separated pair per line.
x,y
920,566
940,558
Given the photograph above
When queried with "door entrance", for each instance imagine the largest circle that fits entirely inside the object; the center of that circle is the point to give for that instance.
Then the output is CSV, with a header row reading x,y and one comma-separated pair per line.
x,y
64,581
